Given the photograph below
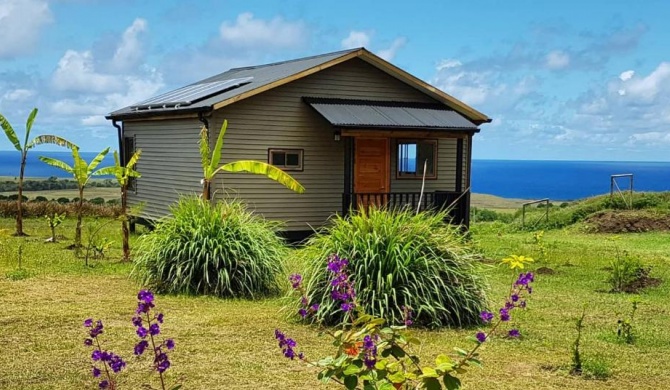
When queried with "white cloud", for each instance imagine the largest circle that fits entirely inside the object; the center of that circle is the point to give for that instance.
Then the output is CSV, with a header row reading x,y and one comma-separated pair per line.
x,y
356,39
557,60
21,23
19,95
129,52
650,137
76,72
389,53
627,75
648,88
248,32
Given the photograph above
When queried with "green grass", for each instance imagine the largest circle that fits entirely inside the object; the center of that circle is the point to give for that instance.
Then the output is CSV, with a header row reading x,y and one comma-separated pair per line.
x,y
228,344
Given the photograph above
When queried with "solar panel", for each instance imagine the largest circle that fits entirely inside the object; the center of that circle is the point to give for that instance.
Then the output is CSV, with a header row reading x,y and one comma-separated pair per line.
x,y
190,94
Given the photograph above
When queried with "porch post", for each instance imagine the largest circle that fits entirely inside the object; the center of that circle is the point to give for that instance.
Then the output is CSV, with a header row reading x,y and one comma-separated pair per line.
x,y
348,173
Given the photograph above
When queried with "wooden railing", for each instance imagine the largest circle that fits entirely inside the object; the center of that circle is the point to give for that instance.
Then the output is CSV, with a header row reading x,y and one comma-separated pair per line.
x,y
456,202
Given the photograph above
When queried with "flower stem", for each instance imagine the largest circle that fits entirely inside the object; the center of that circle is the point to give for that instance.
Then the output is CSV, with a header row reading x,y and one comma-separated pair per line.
x,y
153,345
112,385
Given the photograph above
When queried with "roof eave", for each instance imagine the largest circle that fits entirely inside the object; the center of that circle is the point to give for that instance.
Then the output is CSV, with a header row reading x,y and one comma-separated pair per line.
x,y
155,114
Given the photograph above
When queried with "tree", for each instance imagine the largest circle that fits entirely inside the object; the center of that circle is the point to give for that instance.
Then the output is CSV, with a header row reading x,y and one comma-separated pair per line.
x,y
82,172
23,149
123,176
212,159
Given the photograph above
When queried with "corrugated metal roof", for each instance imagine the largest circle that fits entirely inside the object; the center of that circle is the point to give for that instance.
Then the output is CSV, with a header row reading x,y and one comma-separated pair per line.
x,y
262,75
376,114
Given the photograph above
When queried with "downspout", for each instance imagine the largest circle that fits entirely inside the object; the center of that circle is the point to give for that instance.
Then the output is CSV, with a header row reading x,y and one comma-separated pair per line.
x,y
207,187
122,154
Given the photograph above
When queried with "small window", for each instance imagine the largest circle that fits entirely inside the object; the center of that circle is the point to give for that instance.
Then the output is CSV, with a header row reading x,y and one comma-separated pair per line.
x,y
286,159
412,155
128,150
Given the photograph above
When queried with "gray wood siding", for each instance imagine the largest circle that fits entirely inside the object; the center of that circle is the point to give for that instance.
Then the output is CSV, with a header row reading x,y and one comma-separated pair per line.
x,y
446,169
279,119
169,165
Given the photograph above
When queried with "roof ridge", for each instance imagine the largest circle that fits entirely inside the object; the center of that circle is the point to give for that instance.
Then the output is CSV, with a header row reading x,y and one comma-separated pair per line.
x,y
296,59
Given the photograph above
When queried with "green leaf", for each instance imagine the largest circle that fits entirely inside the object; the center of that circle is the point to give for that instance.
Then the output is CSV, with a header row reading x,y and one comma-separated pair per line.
x,y
351,370
386,386
10,133
216,154
431,384
97,160
51,139
270,171
476,362
176,387
203,144
413,340
451,382
57,163
461,351
29,125
429,372
444,362
350,382
396,377
397,351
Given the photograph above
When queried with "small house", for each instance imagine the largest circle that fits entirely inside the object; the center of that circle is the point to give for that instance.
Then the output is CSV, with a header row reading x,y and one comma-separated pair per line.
x,y
352,128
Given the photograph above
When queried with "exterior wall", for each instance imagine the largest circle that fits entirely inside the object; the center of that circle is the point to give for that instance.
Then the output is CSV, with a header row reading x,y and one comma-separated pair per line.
x,y
169,165
280,119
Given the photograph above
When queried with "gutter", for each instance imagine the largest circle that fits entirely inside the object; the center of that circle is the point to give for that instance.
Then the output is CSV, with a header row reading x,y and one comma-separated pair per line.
x,y
119,129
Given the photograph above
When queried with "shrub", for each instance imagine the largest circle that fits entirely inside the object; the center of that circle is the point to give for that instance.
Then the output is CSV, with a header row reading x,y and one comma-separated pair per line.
x,y
63,200
16,197
220,249
41,209
40,199
486,215
399,259
97,200
113,202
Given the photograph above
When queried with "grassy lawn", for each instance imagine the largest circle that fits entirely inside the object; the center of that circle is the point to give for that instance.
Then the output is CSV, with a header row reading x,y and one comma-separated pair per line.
x,y
229,344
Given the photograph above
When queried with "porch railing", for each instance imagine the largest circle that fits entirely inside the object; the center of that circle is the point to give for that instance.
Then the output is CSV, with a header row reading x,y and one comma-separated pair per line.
x,y
457,202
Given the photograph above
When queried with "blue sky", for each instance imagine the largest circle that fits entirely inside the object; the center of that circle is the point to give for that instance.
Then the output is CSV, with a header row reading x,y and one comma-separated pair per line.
x,y
571,80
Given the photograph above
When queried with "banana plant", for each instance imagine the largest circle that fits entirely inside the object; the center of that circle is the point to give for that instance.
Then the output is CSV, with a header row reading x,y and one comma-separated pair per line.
x,y
23,149
82,172
212,159
123,176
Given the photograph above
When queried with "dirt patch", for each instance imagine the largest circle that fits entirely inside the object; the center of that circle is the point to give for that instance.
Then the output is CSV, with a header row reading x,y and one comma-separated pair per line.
x,y
635,221
545,271
642,283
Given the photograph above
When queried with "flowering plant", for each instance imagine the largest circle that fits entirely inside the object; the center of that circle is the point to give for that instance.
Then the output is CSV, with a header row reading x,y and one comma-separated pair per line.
x,y
147,327
374,355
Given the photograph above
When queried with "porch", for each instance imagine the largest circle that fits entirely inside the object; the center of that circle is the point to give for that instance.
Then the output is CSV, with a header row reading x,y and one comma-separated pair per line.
x,y
457,203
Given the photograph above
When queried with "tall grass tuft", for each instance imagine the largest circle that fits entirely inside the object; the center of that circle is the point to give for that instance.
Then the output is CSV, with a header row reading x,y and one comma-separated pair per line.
x,y
214,249
399,259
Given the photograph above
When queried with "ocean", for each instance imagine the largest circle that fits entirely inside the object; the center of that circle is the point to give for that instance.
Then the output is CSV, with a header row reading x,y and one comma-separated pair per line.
x,y
522,179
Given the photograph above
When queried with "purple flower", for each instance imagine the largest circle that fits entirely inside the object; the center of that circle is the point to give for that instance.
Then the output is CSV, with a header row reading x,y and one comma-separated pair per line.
x,y
514,333
141,331
140,347
154,330
407,315
522,304
287,345
337,265
159,318
486,316
314,308
88,322
104,384
96,372
302,313
145,296
347,307
504,315
169,343
88,342
137,321
481,337
515,297
296,281
96,355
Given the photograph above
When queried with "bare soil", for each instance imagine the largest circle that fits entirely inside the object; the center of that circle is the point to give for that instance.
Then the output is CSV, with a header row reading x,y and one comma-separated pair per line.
x,y
628,222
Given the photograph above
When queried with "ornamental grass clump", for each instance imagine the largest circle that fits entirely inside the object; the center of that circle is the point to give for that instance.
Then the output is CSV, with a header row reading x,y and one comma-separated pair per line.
x,y
217,249
373,355
399,260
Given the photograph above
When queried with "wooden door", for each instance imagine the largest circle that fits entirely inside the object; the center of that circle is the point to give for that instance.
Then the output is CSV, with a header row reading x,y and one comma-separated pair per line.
x,y
371,171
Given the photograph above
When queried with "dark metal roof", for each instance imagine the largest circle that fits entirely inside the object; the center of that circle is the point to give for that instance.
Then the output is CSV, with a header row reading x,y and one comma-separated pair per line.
x,y
396,115
262,75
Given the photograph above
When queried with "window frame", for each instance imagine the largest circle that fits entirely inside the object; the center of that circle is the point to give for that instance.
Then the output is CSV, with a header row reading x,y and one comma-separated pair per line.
x,y
291,168
419,174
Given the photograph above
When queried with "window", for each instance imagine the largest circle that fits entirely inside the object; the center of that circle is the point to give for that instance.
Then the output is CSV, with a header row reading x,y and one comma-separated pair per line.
x,y
128,150
286,159
412,155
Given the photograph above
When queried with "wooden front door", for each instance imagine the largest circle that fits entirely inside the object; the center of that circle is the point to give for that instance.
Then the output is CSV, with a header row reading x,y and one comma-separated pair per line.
x,y
371,170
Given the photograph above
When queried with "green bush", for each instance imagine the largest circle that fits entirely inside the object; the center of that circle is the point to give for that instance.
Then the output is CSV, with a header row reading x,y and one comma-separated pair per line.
x,y
40,198
63,200
486,215
98,200
220,249
399,259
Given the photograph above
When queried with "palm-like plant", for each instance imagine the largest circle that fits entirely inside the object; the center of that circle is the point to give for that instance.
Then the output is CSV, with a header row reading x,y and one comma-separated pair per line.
x,y
82,172
211,161
23,149
123,176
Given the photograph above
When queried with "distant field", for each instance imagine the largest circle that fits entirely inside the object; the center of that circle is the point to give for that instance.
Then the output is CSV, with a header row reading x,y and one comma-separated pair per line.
x,y
89,193
485,201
